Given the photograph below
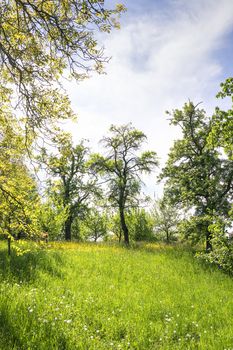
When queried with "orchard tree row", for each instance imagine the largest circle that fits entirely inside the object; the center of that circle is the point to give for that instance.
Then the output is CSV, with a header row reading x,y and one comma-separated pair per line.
x,y
198,176
93,196
99,196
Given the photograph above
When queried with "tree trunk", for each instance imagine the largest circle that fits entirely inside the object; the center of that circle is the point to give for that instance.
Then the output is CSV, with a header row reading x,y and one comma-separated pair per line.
x,y
9,245
167,236
124,226
68,223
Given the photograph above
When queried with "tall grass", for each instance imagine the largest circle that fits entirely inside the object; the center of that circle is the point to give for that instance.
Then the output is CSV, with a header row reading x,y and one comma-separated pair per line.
x,y
74,296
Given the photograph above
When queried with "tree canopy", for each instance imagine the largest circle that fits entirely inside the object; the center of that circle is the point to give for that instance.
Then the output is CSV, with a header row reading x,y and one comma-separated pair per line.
x,y
197,176
18,190
72,180
40,41
222,123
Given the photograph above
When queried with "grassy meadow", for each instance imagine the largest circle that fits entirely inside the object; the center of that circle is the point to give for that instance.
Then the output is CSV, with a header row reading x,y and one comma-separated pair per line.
x,y
87,296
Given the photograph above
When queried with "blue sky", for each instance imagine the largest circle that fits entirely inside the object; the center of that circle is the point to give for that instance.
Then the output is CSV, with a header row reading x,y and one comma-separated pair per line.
x,y
167,51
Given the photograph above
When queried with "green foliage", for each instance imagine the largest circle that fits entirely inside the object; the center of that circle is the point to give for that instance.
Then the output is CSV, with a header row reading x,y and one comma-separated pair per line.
x,y
51,218
194,228
41,41
222,254
95,225
79,297
165,220
222,129
197,176
18,191
140,225
72,183
115,226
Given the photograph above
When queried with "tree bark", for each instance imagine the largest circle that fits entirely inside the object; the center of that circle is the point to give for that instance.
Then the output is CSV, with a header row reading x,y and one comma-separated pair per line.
x,y
9,245
68,223
124,226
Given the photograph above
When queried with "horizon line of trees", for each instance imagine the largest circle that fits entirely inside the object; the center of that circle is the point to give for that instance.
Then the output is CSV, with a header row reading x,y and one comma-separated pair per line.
x,y
88,193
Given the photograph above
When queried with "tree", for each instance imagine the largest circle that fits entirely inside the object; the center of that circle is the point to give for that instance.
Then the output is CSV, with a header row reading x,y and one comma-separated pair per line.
x,y
222,136
73,182
166,219
95,225
18,190
19,201
222,254
196,175
140,224
40,41
222,123
122,168
51,217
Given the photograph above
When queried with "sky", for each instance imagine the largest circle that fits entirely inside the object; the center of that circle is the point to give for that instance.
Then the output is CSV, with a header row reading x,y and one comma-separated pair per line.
x,y
166,52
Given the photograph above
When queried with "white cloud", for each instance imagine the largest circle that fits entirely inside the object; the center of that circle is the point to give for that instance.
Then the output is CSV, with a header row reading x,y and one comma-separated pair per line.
x,y
159,61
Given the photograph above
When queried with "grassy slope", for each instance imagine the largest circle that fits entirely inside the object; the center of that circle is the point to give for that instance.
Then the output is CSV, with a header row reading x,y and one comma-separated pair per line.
x,y
99,297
